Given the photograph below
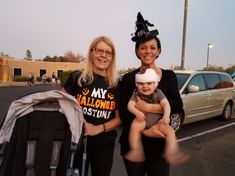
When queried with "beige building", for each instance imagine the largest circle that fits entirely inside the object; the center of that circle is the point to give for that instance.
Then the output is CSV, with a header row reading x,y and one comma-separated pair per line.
x,y
10,67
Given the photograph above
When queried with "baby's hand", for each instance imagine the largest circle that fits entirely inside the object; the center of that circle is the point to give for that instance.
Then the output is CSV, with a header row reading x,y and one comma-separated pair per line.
x,y
166,119
140,116
141,105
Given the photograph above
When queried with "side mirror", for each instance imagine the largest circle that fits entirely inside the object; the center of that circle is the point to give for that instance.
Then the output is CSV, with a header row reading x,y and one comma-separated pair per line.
x,y
193,89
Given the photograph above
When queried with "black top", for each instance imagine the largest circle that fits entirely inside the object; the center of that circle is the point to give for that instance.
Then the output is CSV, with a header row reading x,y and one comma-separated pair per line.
x,y
97,100
169,86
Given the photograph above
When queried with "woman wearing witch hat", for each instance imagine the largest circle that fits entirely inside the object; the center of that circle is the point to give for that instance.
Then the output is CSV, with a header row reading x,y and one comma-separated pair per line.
x,y
147,49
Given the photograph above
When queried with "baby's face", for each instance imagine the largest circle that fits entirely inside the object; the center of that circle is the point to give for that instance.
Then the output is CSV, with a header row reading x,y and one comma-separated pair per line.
x,y
146,88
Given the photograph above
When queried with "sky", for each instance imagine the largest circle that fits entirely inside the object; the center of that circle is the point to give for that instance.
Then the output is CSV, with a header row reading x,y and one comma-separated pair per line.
x,y
54,27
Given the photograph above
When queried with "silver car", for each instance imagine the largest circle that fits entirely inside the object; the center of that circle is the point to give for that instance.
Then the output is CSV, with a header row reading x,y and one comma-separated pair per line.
x,y
205,94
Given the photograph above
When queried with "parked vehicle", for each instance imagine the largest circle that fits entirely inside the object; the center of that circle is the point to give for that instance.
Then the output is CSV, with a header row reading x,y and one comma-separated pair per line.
x,y
205,94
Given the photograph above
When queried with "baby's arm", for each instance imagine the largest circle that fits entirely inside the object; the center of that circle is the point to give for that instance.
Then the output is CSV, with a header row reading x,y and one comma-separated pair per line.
x,y
131,107
166,110
148,107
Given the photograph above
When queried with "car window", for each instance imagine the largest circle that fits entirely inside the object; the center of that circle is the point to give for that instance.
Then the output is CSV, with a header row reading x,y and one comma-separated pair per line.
x,y
212,81
198,80
226,81
181,78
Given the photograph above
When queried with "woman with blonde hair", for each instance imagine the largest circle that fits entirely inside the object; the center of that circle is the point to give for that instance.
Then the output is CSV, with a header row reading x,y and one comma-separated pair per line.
x,y
95,89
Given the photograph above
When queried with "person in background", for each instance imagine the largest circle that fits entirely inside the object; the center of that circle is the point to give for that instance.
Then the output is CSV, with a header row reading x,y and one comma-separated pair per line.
x,y
44,78
32,79
53,79
147,49
95,89
29,79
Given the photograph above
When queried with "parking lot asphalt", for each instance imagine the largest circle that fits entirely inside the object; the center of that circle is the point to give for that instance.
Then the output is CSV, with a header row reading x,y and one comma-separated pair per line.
x,y
212,154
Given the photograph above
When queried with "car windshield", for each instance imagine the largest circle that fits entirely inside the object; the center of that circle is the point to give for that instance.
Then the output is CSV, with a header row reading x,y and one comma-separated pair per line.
x,y
181,77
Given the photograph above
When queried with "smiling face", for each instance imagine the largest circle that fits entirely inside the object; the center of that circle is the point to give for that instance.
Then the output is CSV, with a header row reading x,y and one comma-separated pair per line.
x,y
146,88
102,56
148,52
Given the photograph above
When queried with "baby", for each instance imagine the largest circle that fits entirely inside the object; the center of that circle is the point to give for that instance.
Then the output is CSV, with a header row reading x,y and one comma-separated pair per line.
x,y
147,91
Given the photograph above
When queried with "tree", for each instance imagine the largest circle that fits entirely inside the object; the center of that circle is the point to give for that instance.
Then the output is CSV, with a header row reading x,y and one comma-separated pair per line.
x,y
49,59
124,71
177,68
214,68
71,57
28,55
68,57
230,69
3,54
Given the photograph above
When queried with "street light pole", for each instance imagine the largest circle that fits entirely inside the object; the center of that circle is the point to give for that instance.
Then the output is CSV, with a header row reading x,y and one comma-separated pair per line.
x,y
184,34
208,53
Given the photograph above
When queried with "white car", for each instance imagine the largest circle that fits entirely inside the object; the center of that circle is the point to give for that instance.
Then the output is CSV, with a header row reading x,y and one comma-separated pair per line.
x,y
205,94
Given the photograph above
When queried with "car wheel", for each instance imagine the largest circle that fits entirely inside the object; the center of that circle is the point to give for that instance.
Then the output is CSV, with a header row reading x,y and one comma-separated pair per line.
x,y
176,121
227,112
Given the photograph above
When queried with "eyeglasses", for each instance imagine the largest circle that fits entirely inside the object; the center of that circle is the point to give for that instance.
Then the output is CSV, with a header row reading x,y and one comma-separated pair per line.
x,y
100,52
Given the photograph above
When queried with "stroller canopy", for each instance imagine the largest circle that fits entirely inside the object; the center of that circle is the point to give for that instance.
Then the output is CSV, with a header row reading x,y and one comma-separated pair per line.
x,y
67,105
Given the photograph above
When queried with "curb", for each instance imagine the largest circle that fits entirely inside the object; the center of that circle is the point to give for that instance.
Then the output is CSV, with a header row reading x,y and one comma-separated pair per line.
x,y
11,84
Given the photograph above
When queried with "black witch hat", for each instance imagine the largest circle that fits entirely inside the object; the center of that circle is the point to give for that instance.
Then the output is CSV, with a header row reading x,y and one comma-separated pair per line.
x,y
142,32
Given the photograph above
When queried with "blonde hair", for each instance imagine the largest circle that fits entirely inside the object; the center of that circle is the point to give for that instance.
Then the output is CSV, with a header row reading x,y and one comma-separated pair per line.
x,y
87,74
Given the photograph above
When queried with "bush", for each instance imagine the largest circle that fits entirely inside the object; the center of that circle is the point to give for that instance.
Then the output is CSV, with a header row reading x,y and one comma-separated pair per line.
x,y
48,79
64,76
20,78
39,79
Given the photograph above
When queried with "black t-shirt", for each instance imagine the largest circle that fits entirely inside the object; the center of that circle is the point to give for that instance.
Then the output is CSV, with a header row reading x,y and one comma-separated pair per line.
x,y
97,100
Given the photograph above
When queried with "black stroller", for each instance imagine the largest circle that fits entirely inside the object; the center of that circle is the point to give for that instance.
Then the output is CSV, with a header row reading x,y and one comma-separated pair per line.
x,y
40,135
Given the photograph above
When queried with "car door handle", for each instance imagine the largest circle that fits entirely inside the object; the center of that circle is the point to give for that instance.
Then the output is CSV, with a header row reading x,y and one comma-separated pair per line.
x,y
207,95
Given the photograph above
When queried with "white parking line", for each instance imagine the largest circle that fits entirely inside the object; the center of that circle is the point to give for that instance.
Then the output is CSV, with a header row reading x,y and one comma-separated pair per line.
x,y
205,132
